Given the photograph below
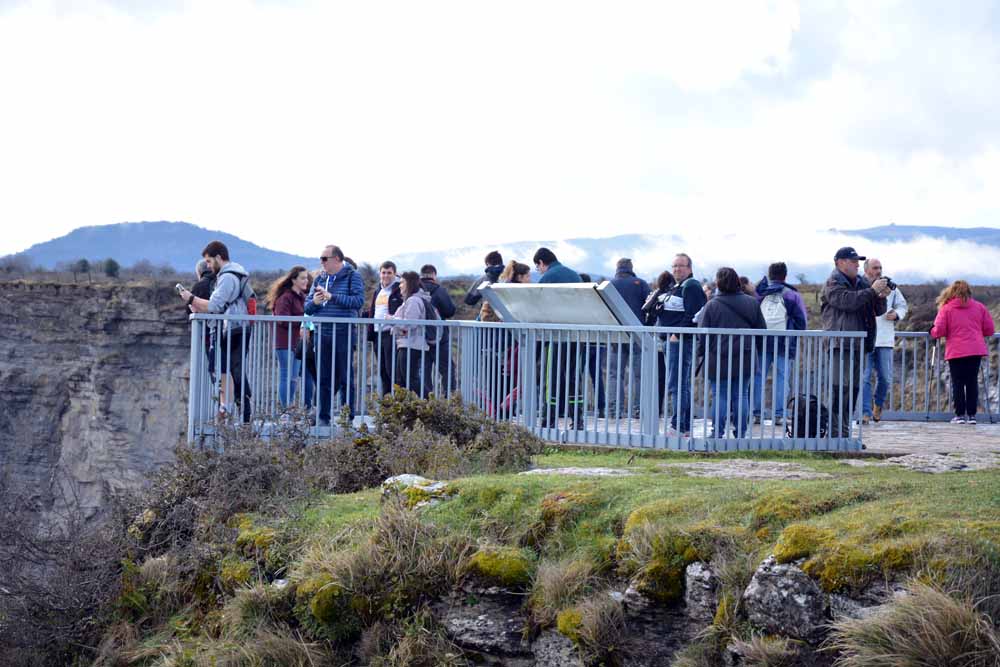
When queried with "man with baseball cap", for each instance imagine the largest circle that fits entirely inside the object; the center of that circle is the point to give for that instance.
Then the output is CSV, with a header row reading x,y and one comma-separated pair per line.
x,y
849,303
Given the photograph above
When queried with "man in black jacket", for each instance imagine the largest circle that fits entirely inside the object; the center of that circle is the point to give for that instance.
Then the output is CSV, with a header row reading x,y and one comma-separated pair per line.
x,y
627,358
849,303
385,301
494,267
440,352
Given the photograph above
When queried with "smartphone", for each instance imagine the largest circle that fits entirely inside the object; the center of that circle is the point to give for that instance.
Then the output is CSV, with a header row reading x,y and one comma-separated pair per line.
x,y
179,288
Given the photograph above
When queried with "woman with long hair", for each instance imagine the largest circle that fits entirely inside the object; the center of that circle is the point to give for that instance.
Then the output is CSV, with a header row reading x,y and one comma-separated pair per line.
x,y
964,323
514,272
286,297
412,360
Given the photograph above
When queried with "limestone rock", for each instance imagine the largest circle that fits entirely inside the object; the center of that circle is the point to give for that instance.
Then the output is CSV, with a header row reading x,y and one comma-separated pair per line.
x,y
489,625
552,649
580,472
936,463
747,469
418,491
701,591
93,389
784,600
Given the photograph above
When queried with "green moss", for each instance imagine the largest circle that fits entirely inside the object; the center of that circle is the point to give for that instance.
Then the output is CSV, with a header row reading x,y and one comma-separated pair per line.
x,y
562,506
568,623
661,576
414,495
841,567
235,572
800,541
251,538
502,565
655,511
781,506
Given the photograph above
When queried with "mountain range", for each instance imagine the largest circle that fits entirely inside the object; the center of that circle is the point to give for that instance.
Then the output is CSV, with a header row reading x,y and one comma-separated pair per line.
x,y
918,252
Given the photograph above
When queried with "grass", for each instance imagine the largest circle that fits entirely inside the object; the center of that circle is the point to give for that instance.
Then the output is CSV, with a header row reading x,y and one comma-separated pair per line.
x,y
365,567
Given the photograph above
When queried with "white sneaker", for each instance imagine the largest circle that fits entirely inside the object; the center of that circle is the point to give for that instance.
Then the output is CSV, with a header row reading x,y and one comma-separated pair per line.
x,y
958,420
970,420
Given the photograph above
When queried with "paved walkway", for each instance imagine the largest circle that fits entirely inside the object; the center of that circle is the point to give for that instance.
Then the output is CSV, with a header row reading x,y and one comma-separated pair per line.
x,y
933,437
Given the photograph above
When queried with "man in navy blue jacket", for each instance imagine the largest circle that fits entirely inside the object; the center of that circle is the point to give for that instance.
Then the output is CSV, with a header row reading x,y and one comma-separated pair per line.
x,y
338,291
440,353
634,291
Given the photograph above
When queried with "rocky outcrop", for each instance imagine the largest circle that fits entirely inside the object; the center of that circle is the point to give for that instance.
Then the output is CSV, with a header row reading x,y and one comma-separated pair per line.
x,y
93,388
701,591
783,600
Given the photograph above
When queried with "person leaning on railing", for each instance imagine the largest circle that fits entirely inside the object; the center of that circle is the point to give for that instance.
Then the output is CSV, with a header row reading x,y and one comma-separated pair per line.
x,y
849,303
964,323
231,296
730,378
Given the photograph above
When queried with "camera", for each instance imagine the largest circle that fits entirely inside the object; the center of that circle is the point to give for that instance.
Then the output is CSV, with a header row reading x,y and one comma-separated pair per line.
x,y
888,283
179,288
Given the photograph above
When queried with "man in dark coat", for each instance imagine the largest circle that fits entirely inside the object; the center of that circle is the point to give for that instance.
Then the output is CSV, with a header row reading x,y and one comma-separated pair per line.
x,y
849,303
634,291
494,267
440,352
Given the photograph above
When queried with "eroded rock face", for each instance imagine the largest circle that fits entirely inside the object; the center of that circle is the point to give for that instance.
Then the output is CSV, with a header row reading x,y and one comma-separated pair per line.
x,y
487,625
784,600
701,591
93,388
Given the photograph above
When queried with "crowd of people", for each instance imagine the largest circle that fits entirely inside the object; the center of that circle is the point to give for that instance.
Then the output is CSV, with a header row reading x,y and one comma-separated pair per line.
x,y
418,357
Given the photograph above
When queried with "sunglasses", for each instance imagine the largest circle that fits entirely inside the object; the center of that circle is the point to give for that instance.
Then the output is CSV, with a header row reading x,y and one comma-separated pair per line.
x,y
323,258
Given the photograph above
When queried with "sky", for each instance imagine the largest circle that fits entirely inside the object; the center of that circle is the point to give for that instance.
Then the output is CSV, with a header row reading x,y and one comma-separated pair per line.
x,y
391,127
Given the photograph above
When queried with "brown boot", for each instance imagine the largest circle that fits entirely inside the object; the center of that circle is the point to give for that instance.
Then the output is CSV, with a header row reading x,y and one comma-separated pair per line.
x,y
877,413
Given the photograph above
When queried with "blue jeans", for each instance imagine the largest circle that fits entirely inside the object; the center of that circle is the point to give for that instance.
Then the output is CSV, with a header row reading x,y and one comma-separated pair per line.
x,y
881,359
731,403
679,377
766,358
289,365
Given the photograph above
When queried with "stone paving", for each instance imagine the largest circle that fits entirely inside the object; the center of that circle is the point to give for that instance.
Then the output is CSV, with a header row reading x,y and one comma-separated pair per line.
x,y
931,438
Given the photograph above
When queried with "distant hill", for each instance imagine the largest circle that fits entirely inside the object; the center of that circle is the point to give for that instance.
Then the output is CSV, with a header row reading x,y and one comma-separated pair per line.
x,y
173,243
900,233
176,244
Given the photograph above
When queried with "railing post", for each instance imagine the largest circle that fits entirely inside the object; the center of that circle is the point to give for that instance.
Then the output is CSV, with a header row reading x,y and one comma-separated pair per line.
x,y
194,378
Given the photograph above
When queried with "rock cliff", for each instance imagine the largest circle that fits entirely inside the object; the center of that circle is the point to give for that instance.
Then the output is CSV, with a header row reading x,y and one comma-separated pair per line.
x,y
93,388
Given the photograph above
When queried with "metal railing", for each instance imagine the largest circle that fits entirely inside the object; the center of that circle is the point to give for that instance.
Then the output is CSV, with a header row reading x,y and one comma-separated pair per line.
x,y
920,389
645,387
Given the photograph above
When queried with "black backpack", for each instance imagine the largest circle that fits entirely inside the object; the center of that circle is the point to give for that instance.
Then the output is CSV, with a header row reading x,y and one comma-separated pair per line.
x,y
818,418
432,333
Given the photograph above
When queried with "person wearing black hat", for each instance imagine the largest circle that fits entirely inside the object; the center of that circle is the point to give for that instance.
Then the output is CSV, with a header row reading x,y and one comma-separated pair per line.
x,y
849,303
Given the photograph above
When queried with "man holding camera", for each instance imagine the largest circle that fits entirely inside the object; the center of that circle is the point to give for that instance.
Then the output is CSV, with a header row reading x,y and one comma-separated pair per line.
x,y
849,303
885,339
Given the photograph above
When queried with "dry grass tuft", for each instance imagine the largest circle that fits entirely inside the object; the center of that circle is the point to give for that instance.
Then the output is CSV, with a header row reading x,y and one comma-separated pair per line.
x,y
558,585
927,627
601,634
767,652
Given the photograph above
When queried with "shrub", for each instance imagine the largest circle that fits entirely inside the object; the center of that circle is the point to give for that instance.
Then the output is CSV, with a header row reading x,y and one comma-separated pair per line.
x,y
926,627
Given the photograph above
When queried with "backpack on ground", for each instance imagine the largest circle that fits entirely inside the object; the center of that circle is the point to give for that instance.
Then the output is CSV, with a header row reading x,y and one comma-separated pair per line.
x,y
815,424
774,310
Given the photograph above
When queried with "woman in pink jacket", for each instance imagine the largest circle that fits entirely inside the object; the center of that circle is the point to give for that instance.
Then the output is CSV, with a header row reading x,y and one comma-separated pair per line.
x,y
964,322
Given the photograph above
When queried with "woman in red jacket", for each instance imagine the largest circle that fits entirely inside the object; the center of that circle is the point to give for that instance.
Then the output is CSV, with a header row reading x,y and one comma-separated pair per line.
x,y
964,323
287,298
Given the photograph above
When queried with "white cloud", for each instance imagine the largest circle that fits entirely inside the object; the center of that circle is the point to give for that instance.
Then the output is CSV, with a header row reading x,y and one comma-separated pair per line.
x,y
389,127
